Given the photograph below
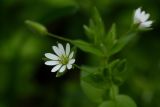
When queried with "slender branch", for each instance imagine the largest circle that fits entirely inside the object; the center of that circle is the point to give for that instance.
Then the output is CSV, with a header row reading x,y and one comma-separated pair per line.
x,y
59,37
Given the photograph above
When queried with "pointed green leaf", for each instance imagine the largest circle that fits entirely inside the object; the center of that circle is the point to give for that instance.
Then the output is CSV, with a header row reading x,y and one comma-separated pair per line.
x,y
114,64
118,66
98,22
89,32
95,31
121,43
120,101
94,77
95,94
86,47
110,39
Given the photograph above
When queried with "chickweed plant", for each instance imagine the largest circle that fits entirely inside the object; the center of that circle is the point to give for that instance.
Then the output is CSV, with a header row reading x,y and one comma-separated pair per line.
x,y
100,82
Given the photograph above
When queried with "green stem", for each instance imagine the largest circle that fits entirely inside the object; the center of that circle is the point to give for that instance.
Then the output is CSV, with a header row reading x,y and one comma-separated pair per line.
x,y
112,89
59,37
113,94
77,66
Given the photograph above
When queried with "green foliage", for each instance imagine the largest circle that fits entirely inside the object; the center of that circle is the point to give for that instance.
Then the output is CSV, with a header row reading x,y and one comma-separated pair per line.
x,y
93,84
118,66
119,101
95,77
24,77
108,75
121,43
111,38
87,47
95,31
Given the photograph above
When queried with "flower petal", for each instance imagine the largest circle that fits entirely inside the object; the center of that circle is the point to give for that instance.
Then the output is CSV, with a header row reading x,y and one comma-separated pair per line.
x,y
56,50
63,68
67,49
71,55
61,49
138,12
51,62
54,69
146,17
137,15
146,24
51,56
69,66
71,61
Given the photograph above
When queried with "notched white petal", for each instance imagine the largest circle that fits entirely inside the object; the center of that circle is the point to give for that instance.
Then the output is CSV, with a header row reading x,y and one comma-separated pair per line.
x,y
61,49
69,66
146,24
51,62
141,18
56,68
71,55
71,61
67,49
51,56
56,50
63,68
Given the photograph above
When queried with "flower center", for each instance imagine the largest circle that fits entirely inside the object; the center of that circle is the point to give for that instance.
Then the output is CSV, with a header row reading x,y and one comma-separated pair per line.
x,y
64,60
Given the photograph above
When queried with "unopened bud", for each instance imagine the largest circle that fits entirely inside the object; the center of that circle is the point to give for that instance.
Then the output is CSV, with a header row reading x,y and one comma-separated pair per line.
x,y
36,27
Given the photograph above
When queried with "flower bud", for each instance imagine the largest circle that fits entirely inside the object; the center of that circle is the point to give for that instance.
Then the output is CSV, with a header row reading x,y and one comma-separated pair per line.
x,y
36,27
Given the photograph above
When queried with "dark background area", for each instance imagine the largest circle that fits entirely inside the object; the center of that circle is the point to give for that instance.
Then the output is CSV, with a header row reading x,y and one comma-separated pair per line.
x,y
26,82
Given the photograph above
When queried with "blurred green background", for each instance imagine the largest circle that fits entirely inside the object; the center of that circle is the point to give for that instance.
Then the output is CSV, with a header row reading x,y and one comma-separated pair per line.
x,y
26,82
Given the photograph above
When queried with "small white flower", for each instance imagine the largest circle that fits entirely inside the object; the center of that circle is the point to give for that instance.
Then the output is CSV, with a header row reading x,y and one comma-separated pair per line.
x,y
141,18
62,59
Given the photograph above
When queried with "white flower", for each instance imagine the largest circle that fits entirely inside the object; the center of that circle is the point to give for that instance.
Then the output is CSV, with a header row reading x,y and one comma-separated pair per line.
x,y
141,18
62,59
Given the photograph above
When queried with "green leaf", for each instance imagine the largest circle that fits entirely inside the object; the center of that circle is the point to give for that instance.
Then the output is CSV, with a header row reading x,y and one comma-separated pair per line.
x,y
110,39
94,77
120,101
121,43
95,31
122,65
96,80
89,32
125,101
86,47
114,64
90,89
108,104
89,70
97,20
94,94
118,66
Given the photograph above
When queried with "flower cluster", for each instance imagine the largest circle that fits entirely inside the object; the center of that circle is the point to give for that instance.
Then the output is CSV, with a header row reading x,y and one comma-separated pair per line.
x,y
141,18
62,59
